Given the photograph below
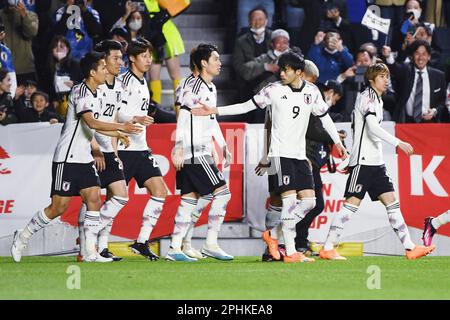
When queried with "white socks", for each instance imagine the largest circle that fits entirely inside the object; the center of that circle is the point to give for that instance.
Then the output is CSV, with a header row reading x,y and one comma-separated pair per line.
x,y
202,203
217,215
290,204
108,212
441,220
273,221
398,224
151,215
91,228
39,221
337,226
182,222
81,235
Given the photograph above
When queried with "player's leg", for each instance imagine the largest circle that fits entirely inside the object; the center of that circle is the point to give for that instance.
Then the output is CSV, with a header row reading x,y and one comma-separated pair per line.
x,y
182,220
173,66
432,225
273,225
81,235
40,220
155,82
116,199
188,249
401,229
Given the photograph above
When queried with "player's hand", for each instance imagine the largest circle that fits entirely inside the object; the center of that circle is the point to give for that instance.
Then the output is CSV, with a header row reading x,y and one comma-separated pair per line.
x,y
130,127
144,120
203,110
406,148
124,139
227,156
262,167
342,151
99,159
178,158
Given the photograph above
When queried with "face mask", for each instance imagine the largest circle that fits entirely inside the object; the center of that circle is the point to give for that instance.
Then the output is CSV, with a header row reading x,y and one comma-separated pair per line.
x,y
416,12
59,55
258,31
279,53
330,51
135,25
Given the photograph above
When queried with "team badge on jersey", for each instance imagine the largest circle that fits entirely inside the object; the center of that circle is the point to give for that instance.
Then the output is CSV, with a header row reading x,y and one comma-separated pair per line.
x,y
308,98
286,180
66,186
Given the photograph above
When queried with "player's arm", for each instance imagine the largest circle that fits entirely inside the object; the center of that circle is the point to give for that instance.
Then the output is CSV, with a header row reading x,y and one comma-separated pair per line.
x,y
375,129
238,108
99,158
264,163
330,128
119,136
98,125
182,132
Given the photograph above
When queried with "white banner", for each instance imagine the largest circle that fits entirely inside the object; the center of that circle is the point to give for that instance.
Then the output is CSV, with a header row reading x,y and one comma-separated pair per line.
x,y
371,216
26,153
372,21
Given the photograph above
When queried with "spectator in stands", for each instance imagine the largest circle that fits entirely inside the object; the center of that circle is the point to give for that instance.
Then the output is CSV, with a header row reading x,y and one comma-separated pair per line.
x,y
81,32
393,10
420,89
334,20
24,91
246,7
109,12
6,59
133,20
250,45
63,72
39,111
371,48
7,114
21,27
293,16
330,55
121,35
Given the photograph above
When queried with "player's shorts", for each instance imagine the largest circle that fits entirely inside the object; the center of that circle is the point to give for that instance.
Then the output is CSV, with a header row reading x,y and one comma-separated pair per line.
x,y
140,165
113,171
371,179
291,174
69,178
201,177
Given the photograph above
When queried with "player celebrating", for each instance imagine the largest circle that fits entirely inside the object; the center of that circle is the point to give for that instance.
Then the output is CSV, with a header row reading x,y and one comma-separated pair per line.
x,y
104,150
138,161
291,102
432,225
73,171
367,169
197,174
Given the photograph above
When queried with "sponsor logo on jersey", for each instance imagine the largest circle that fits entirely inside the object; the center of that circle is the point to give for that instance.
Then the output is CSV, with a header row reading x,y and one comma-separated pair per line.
x,y
308,98
3,156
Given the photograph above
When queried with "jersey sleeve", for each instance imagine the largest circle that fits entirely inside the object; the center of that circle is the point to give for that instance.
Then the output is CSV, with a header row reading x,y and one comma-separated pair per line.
x,y
320,107
83,105
189,99
263,98
367,104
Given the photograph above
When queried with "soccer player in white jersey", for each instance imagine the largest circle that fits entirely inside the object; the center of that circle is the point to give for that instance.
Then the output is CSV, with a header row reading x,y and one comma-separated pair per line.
x,y
104,150
138,161
197,174
74,171
367,170
432,224
291,101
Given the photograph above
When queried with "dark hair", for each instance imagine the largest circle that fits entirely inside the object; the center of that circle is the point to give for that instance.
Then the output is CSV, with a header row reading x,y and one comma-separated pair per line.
x,y
418,43
192,64
90,62
106,46
292,60
3,74
203,52
39,93
121,32
138,46
258,8
362,51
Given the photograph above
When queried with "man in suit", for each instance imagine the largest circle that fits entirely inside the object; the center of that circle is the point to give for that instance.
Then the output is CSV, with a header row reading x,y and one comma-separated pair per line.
x,y
420,89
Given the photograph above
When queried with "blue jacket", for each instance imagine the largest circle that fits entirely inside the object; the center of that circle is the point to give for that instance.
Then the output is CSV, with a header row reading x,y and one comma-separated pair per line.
x,y
330,65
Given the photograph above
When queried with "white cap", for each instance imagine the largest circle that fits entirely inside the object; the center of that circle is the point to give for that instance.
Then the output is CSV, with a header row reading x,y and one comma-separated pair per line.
x,y
280,33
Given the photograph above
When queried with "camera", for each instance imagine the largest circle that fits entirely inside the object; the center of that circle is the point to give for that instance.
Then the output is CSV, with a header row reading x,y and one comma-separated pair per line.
x,y
140,6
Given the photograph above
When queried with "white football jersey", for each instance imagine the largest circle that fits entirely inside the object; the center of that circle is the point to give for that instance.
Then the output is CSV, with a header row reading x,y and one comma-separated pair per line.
x,y
111,99
74,145
180,88
137,102
290,110
198,136
366,149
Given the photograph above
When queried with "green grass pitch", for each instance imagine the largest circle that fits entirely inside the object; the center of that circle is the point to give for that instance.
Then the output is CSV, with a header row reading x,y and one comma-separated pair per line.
x,y
243,278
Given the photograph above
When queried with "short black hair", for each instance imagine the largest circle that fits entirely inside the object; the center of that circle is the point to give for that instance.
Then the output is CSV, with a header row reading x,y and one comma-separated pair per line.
x,y
3,74
39,93
90,62
121,32
362,51
192,64
292,60
106,46
138,46
203,52
258,8
418,43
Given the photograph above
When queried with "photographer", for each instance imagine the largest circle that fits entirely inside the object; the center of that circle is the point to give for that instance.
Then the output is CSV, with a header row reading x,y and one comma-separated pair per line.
x,y
82,30
7,115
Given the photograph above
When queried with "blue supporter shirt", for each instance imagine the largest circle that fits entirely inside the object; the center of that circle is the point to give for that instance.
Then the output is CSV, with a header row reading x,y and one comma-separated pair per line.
x,y
6,58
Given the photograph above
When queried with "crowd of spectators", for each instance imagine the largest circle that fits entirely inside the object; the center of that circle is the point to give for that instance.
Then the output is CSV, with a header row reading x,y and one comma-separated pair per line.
x,y
41,43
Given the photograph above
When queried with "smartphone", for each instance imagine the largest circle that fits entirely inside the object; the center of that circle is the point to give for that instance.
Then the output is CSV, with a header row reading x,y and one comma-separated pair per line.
x,y
140,6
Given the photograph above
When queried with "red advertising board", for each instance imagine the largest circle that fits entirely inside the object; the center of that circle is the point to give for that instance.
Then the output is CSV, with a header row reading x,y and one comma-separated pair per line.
x,y
424,177
160,138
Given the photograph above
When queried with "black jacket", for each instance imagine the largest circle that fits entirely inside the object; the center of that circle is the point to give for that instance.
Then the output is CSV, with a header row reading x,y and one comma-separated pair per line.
x,y
26,115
